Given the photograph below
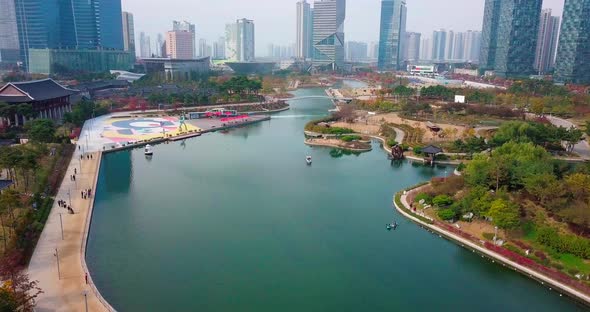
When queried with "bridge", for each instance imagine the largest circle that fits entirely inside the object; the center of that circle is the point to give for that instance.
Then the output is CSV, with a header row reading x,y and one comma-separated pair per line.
x,y
347,100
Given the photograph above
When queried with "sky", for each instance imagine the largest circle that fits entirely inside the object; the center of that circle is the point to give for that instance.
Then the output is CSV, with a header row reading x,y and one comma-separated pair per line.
x,y
275,19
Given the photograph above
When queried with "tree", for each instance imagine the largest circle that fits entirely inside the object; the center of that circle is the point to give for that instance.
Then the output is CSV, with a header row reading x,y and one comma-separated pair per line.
x,y
579,185
17,289
26,110
446,214
543,186
442,200
504,214
41,130
572,137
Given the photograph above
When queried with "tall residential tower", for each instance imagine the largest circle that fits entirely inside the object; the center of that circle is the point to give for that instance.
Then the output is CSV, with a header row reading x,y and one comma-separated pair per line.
x,y
128,32
546,42
304,30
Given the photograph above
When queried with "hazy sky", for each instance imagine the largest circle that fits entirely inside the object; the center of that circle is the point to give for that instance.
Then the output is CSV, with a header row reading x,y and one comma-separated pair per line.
x,y
275,19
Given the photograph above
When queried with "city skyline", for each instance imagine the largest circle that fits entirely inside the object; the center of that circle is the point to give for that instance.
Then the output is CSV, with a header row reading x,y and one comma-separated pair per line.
x,y
362,22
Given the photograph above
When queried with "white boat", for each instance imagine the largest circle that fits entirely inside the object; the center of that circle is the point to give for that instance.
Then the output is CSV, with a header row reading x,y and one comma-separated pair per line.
x,y
308,160
148,150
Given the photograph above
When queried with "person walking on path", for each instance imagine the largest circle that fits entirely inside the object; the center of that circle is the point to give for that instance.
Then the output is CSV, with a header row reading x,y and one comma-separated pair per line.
x,y
75,171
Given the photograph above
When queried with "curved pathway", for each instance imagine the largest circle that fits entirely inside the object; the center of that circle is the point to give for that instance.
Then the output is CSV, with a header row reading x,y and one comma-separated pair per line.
x,y
574,293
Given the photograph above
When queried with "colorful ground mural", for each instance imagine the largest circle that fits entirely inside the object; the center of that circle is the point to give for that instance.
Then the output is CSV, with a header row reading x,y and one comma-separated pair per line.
x,y
135,129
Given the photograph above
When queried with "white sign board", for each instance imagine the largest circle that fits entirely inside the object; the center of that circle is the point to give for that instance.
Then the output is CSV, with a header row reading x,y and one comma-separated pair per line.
x,y
460,99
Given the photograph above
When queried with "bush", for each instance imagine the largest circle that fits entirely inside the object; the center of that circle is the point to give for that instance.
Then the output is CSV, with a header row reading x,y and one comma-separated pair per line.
x,y
442,200
573,271
350,138
446,214
423,196
461,167
488,236
391,142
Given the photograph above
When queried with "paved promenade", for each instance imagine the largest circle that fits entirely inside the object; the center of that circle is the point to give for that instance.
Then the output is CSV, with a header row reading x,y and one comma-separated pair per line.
x,y
66,292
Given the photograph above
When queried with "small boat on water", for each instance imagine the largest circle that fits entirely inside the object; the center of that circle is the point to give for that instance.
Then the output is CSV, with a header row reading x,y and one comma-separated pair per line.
x,y
148,150
308,160
391,226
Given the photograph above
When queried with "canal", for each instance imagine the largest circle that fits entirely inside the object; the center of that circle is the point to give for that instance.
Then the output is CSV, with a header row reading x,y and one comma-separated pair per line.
x,y
238,221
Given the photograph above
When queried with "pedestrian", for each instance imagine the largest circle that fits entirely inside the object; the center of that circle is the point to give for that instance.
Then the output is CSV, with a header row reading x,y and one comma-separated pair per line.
x,y
75,171
87,156
90,156
89,192
82,157
78,147
82,194
86,278
74,176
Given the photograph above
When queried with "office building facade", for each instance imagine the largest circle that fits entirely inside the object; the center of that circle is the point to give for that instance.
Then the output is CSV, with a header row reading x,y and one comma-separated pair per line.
x,y
509,40
392,34
573,52
246,40
328,33
188,27
9,45
356,51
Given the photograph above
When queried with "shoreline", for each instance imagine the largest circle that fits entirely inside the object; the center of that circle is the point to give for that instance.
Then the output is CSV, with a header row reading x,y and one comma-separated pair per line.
x,y
306,142
571,292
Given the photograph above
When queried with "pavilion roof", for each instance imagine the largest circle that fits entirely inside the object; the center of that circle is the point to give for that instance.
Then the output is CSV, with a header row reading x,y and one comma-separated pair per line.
x,y
37,90
431,149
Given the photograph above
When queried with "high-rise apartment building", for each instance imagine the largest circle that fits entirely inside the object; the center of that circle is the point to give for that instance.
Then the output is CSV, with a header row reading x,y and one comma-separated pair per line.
x,y
179,44
472,46
449,45
246,40
573,53
145,48
426,49
304,30
374,51
128,32
328,33
458,47
392,34
412,46
160,46
509,40
439,44
9,46
546,42
219,49
356,51
186,26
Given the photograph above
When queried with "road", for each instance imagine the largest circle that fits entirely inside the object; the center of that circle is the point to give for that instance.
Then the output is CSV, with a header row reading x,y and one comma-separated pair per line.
x,y
582,148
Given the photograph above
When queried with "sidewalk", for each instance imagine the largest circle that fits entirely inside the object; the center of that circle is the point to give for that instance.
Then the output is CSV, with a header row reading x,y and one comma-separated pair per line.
x,y
66,293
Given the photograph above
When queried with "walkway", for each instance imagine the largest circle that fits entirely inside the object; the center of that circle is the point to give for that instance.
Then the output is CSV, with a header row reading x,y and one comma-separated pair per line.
x,y
66,292
582,148
474,247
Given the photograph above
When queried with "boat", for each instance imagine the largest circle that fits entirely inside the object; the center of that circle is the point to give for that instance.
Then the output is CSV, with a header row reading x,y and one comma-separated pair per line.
x,y
308,160
148,150
391,226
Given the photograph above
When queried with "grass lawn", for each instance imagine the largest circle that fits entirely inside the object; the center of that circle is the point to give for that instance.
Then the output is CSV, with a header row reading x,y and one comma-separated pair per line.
x,y
570,261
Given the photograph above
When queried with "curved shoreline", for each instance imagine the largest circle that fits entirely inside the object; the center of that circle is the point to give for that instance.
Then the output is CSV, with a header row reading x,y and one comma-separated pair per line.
x,y
338,147
567,290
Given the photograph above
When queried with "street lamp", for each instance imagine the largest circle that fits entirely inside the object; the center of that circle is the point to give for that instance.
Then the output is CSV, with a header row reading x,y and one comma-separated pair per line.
x,y
495,233
86,299
57,257
61,223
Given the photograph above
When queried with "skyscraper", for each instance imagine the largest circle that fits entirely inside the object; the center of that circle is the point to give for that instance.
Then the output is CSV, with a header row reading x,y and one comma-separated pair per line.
x,y
392,34
458,47
449,45
356,51
128,32
179,44
69,25
145,49
204,48
231,42
9,46
160,46
374,51
246,40
472,46
574,43
546,42
186,26
304,30
439,44
426,49
328,33
412,46
219,49
510,29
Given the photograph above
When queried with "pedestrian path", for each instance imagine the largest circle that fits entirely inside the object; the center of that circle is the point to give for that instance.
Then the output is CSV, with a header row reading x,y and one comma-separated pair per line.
x,y
65,288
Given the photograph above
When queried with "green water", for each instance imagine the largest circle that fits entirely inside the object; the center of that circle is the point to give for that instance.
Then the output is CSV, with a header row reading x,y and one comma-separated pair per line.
x,y
239,222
